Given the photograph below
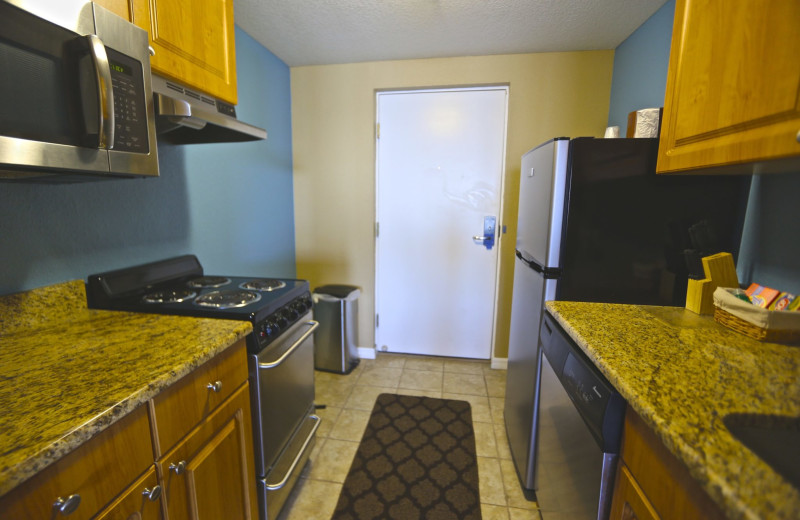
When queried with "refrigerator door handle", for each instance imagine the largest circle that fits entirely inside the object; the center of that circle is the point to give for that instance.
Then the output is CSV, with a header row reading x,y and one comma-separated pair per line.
x,y
546,272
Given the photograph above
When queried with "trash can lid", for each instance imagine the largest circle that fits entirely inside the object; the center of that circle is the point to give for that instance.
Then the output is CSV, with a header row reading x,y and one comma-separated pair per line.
x,y
339,291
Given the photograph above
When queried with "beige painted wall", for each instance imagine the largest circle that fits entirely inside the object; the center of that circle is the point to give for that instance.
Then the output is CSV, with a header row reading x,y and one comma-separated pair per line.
x,y
333,135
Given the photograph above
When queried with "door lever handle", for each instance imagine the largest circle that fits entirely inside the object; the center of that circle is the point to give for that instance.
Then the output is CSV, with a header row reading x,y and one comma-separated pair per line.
x,y
487,238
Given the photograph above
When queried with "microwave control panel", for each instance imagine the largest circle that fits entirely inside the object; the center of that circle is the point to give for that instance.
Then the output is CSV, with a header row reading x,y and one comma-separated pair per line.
x,y
130,111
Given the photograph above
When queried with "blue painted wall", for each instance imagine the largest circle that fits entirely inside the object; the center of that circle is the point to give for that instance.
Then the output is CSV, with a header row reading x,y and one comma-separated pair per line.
x,y
770,246
230,204
640,68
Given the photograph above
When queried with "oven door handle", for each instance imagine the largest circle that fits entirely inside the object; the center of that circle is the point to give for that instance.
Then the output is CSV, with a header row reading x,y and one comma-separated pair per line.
x,y
279,485
313,325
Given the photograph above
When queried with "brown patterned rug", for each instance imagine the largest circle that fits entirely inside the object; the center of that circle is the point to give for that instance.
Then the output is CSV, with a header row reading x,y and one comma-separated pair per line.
x,y
416,460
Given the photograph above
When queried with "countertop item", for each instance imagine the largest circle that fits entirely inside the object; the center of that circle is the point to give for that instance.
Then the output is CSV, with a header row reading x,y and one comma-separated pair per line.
x,y
67,372
682,373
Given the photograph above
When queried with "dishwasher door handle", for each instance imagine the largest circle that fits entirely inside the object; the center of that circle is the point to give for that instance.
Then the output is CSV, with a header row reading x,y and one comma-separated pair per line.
x,y
272,364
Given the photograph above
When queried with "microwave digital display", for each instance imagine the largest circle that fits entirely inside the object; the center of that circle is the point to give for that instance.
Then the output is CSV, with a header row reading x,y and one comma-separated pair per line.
x,y
119,67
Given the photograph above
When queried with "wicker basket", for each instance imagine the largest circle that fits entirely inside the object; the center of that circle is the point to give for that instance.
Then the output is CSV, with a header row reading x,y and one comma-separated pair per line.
x,y
758,323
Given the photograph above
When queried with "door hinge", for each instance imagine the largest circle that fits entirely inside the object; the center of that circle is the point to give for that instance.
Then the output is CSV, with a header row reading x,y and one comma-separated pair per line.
x,y
377,320
378,130
377,229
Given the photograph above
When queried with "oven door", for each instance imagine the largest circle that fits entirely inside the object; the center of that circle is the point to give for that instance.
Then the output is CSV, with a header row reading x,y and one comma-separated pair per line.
x,y
282,400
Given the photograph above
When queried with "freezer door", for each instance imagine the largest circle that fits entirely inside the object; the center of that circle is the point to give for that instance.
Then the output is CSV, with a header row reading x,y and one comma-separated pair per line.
x,y
531,290
542,185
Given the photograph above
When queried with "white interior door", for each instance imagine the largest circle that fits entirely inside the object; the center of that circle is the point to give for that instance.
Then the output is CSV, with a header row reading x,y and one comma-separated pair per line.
x,y
440,159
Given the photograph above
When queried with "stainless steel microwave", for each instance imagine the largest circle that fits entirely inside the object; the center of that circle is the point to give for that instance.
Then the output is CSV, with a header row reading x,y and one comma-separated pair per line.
x,y
76,99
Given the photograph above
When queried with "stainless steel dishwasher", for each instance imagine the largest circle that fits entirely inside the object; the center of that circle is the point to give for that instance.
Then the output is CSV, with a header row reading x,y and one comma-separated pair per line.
x,y
580,430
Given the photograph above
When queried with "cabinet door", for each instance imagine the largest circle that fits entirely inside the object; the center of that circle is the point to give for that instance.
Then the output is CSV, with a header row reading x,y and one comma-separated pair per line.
x,y
141,501
210,474
193,42
629,502
732,87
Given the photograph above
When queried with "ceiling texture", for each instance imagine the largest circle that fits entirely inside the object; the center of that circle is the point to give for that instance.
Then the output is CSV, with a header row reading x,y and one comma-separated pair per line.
x,y
324,32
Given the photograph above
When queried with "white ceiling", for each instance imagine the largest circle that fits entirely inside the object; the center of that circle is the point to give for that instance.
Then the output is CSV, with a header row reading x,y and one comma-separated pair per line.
x,y
319,32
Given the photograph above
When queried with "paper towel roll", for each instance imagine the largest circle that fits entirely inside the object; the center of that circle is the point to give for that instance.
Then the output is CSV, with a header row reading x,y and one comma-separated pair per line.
x,y
643,123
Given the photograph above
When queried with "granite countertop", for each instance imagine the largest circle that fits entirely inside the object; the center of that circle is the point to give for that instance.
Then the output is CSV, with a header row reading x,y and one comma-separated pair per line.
x,y
68,372
682,373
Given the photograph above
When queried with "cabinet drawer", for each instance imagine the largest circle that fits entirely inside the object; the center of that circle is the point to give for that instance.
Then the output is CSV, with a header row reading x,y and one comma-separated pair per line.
x,y
180,407
141,501
97,471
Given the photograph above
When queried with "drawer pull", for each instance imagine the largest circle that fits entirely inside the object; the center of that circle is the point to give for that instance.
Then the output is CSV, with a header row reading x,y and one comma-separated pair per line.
x,y
67,506
178,468
216,386
152,494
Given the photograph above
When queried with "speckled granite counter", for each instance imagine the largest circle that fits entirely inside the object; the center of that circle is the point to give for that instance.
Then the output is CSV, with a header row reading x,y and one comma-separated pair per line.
x,y
682,374
67,372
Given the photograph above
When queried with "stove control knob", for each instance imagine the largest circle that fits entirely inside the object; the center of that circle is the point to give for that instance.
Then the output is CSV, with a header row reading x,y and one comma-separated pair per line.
x,y
283,321
269,329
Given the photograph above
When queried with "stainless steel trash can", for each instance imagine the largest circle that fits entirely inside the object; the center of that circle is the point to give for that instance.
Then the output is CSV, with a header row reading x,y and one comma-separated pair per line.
x,y
335,342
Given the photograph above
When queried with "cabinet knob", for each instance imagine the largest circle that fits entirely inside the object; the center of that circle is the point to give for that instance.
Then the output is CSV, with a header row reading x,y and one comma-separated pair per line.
x,y
67,506
216,386
798,136
178,468
151,50
152,494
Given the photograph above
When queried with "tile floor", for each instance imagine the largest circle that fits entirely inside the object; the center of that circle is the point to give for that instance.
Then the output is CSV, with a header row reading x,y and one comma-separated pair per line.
x,y
349,400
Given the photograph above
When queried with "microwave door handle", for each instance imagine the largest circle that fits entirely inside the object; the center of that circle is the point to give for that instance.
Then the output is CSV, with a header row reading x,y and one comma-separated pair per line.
x,y
105,91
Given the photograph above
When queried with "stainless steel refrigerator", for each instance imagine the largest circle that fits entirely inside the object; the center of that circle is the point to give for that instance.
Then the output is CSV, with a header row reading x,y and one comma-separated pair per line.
x,y
597,224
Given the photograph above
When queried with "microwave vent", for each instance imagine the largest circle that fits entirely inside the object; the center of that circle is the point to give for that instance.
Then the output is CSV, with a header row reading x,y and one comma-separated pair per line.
x,y
186,116
176,88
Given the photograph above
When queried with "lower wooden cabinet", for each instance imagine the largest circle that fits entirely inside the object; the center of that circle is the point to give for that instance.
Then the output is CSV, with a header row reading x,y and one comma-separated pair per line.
x,y
652,484
207,469
630,503
141,501
89,477
210,473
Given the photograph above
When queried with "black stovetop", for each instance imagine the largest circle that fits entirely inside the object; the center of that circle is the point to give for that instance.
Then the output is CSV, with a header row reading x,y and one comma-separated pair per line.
x,y
133,288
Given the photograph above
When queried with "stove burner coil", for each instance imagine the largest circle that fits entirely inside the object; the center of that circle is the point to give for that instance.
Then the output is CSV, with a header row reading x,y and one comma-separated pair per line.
x,y
227,299
169,296
265,284
209,281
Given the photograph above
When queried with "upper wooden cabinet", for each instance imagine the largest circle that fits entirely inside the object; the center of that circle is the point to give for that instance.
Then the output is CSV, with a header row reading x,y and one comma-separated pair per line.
x,y
733,88
193,40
